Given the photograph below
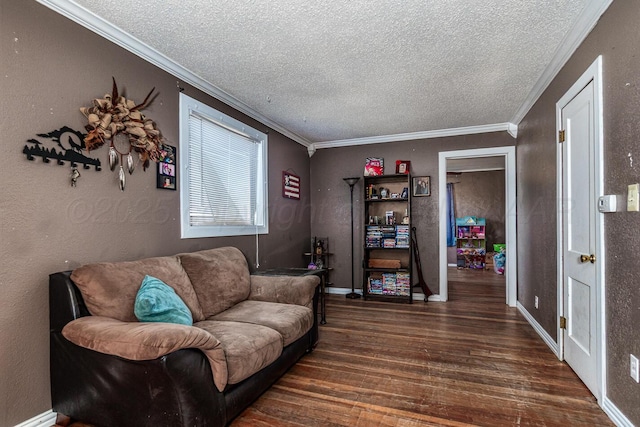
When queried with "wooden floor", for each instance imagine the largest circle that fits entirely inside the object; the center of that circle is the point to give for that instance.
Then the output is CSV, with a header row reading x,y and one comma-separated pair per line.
x,y
472,361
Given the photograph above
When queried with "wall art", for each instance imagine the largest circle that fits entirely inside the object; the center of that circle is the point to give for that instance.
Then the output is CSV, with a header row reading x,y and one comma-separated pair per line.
x,y
290,186
167,171
120,121
62,145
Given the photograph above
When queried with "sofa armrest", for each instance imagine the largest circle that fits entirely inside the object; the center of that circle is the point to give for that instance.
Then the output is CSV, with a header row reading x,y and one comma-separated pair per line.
x,y
297,290
146,341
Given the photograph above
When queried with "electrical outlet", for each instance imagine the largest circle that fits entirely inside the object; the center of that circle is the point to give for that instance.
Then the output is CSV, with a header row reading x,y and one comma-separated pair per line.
x,y
535,301
634,369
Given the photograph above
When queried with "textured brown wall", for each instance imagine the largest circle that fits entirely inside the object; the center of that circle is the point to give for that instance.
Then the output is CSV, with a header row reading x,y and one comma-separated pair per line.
x,y
617,39
330,197
49,68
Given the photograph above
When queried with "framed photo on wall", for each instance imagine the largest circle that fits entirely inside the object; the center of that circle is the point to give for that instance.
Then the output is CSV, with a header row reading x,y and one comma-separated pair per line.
x,y
167,169
421,186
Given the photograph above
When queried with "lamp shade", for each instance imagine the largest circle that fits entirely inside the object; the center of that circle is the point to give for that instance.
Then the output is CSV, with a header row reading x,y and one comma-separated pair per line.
x,y
352,181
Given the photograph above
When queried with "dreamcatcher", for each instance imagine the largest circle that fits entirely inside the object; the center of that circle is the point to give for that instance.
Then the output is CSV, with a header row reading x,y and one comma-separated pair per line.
x,y
119,148
120,121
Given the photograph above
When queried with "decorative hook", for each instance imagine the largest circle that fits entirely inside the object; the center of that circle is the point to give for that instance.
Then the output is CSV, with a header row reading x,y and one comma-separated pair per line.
x,y
75,174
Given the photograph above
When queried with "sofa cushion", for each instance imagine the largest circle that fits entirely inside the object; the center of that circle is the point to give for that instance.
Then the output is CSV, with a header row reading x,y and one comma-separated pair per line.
x,y
158,302
285,289
109,289
219,276
291,321
248,348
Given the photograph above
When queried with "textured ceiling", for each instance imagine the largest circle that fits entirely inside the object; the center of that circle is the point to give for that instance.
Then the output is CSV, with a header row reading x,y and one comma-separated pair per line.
x,y
330,70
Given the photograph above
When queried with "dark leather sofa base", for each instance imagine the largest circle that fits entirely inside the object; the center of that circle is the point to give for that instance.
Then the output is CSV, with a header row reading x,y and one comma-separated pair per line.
x,y
173,390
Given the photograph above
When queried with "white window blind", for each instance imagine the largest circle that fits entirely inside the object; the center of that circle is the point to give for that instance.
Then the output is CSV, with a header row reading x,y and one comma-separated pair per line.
x,y
223,191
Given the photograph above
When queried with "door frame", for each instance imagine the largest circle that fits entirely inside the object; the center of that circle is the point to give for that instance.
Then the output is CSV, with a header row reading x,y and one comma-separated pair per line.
x,y
593,73
509,154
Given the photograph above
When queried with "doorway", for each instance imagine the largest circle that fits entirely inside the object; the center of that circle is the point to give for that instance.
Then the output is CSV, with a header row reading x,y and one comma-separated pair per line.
x,y
507,154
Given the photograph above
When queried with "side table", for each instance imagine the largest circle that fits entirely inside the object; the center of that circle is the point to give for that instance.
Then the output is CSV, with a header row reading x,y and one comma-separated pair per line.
x,y
320,272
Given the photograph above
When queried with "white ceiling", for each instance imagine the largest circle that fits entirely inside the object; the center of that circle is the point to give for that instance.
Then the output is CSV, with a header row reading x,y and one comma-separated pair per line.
x,y
336,72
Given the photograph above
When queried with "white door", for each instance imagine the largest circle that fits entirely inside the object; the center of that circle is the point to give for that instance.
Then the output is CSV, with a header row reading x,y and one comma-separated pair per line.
x,y
579,238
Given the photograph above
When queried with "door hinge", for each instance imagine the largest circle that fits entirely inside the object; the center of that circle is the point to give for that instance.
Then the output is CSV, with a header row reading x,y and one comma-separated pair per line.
x,y
563,322
561,136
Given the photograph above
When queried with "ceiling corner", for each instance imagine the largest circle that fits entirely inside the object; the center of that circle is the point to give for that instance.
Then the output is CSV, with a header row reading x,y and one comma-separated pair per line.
x,y
588,19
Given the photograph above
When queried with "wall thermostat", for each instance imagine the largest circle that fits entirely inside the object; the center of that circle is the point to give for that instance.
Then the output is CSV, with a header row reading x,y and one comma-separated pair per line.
x,y
607,203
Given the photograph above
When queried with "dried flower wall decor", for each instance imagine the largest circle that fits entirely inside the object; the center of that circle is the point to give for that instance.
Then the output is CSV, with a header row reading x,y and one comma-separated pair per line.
x,y
115,116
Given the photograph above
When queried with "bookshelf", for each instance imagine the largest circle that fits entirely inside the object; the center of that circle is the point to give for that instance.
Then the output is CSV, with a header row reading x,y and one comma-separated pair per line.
x,y
387,240
471,242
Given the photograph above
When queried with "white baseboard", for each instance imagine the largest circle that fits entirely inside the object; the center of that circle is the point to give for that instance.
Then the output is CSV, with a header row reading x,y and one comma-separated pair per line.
x,y
609,408
618,418
419,296
553,345
46,419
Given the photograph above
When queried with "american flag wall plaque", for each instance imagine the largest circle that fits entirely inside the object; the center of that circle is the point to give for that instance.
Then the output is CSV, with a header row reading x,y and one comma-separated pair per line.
x,y
290,186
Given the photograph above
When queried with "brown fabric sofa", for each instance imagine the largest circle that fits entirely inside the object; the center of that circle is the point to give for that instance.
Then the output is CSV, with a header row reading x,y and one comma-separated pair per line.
x,y
108,369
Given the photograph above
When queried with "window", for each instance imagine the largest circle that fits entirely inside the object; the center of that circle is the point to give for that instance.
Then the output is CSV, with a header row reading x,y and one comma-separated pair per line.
x,y
223,183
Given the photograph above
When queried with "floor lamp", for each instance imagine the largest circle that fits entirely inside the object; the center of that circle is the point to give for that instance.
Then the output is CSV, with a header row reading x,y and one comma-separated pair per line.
x,y
352,182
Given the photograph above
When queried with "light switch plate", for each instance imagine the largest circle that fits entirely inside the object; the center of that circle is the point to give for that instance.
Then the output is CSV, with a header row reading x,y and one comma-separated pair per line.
x,y
633,200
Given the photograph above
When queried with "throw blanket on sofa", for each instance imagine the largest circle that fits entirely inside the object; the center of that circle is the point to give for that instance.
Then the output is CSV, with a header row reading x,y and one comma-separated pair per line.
x,y
146,341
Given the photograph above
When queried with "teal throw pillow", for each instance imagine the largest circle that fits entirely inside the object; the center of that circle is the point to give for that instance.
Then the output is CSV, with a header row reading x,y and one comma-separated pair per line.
x,y
158,302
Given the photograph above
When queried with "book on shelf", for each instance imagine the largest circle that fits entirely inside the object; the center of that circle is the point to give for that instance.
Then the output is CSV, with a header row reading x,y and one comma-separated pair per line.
x,y
402,236
390,218
375,284
387,236
389,283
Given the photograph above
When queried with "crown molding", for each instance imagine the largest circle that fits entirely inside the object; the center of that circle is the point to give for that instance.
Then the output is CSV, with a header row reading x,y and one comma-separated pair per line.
x,y
586,22
429,134
588,19
96,24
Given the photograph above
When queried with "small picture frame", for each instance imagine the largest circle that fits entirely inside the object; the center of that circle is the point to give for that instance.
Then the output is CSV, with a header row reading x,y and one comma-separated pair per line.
x,y
403,167
167,173
421,186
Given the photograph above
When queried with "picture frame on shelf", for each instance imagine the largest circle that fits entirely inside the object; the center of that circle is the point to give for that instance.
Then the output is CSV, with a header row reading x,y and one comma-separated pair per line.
x,y
421,186
374,166
403,167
